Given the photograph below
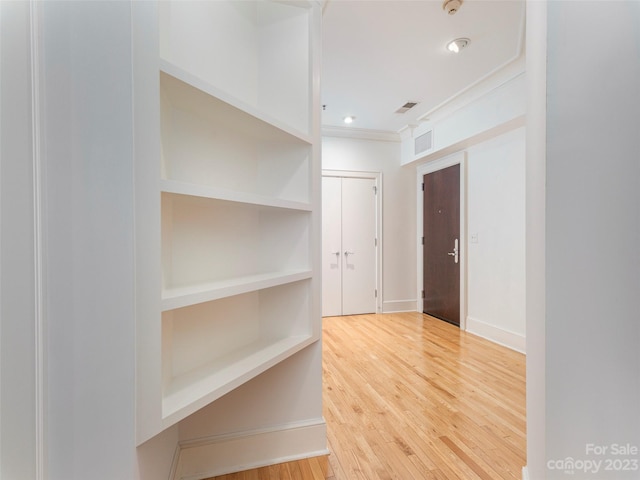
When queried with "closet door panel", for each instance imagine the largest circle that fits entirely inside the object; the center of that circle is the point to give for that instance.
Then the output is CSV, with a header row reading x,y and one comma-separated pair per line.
x,y
331,246
358,246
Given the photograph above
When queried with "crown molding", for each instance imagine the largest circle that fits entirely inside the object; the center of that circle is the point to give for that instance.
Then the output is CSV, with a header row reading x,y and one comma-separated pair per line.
x,y
360,133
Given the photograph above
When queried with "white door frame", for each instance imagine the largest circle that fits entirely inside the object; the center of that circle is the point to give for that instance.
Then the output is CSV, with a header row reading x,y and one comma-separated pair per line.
x,y
23,224
459,158
377,177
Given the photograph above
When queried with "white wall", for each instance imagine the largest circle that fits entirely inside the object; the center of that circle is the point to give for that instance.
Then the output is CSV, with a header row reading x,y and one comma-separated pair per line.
x,y
593,232
398,211
495,216
88,133
18,419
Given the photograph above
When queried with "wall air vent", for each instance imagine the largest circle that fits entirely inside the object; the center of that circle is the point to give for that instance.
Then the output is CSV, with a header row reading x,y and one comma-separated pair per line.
x,y
424,142
406,107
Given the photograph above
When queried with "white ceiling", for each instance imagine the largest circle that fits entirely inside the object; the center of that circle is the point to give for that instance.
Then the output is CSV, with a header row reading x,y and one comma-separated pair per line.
x,y
380,54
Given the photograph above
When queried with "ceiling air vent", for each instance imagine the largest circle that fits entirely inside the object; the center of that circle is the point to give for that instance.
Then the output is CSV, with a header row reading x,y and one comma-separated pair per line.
x,y
406,107
424,142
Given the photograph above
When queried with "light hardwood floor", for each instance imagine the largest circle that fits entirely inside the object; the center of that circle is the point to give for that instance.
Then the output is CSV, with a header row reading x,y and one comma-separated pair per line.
x,y
407,396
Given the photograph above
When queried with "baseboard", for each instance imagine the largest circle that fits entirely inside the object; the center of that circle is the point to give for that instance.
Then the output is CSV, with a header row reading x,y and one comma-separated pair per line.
x,y
222,454
396,306
525,473
497,335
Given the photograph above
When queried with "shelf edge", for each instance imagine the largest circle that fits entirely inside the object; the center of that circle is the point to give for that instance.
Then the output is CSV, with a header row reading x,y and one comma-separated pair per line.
x,y
218,290
203,191
174,410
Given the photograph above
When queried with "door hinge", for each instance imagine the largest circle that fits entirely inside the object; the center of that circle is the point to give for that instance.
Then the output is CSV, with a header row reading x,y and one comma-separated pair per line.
x,y
423,294
376,293
422,240
375,190
375,242
423,186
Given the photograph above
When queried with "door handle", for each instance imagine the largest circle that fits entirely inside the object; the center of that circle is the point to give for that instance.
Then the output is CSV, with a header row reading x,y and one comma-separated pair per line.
x,y
347,253
335,253
454,254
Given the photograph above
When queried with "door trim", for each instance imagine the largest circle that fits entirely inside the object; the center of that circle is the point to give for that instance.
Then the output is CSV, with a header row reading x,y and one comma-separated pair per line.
x,y
459,158
377,176
25,324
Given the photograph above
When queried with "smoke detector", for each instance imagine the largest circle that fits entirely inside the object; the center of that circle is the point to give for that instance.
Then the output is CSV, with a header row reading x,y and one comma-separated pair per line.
x,y
452,6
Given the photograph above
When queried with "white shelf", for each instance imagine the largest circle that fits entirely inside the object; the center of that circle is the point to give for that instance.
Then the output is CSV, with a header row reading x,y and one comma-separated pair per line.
x,y
207,141
174,298
210,348
205,191
226,200
205,241
197,94
192,391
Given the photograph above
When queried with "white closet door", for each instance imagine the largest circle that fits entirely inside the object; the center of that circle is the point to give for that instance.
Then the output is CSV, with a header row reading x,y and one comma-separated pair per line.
x,y
348,246
358,246
331,246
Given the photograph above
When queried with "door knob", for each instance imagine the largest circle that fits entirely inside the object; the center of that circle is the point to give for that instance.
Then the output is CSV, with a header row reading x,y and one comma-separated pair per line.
x,y
454,254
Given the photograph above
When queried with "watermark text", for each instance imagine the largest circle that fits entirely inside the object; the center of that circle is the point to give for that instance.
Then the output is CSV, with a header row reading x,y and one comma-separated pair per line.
x,y
613,457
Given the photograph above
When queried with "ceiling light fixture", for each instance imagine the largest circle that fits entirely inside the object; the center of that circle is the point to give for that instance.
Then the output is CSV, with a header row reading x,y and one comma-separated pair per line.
x,y
349,119
458,44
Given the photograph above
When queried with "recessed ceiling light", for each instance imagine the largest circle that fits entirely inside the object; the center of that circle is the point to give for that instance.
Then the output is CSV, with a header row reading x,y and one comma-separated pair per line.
x,y
349,119
458,44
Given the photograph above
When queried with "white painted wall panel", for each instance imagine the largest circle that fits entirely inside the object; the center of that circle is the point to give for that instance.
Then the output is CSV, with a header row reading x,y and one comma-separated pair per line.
x,y
18,441
89,195
495,106
593,231
495,212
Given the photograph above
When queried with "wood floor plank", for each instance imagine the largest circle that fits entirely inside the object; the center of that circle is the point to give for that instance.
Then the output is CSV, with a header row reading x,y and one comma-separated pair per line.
x,y
407,396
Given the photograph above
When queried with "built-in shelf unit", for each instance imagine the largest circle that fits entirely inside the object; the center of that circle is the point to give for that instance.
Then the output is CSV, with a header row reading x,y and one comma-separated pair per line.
x,y
237,177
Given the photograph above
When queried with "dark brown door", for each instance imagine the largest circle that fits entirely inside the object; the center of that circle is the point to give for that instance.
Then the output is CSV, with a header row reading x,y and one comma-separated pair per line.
x,y
442,244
